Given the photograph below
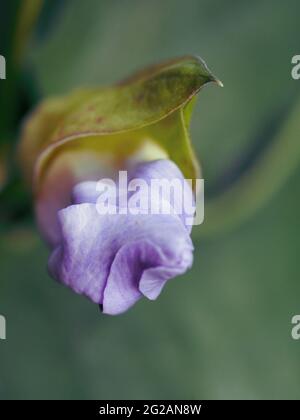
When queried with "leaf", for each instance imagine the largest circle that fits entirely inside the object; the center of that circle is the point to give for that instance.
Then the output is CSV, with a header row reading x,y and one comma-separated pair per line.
x,y
151,104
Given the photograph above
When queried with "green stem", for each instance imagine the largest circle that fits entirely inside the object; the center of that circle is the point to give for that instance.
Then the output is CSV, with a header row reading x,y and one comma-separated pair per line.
x,y
253,189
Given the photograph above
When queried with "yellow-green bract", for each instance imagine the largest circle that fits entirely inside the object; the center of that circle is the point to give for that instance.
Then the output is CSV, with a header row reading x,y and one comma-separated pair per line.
x,y
154,104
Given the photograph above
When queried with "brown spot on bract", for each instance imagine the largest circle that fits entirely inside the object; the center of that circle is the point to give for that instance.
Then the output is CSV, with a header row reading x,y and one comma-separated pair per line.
x,y
99,120
139,98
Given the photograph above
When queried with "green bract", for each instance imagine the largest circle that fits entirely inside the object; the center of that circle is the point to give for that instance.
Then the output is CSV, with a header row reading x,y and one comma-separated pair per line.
x,y
153,105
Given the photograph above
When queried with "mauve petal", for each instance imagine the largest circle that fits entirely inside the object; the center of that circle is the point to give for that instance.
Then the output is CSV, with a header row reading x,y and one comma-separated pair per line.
x,y
153,279
104,256
122,288
85,192
168,170
83,258
139,268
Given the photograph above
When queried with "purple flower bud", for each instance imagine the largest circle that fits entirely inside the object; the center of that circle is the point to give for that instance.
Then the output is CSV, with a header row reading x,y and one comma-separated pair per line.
x,y
115,259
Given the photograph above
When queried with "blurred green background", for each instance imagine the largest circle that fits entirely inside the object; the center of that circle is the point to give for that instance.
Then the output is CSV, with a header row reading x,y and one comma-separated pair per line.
x,y
223,331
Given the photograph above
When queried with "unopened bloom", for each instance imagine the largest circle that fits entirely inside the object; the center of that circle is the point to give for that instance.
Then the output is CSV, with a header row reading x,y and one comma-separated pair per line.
x,y
71,142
